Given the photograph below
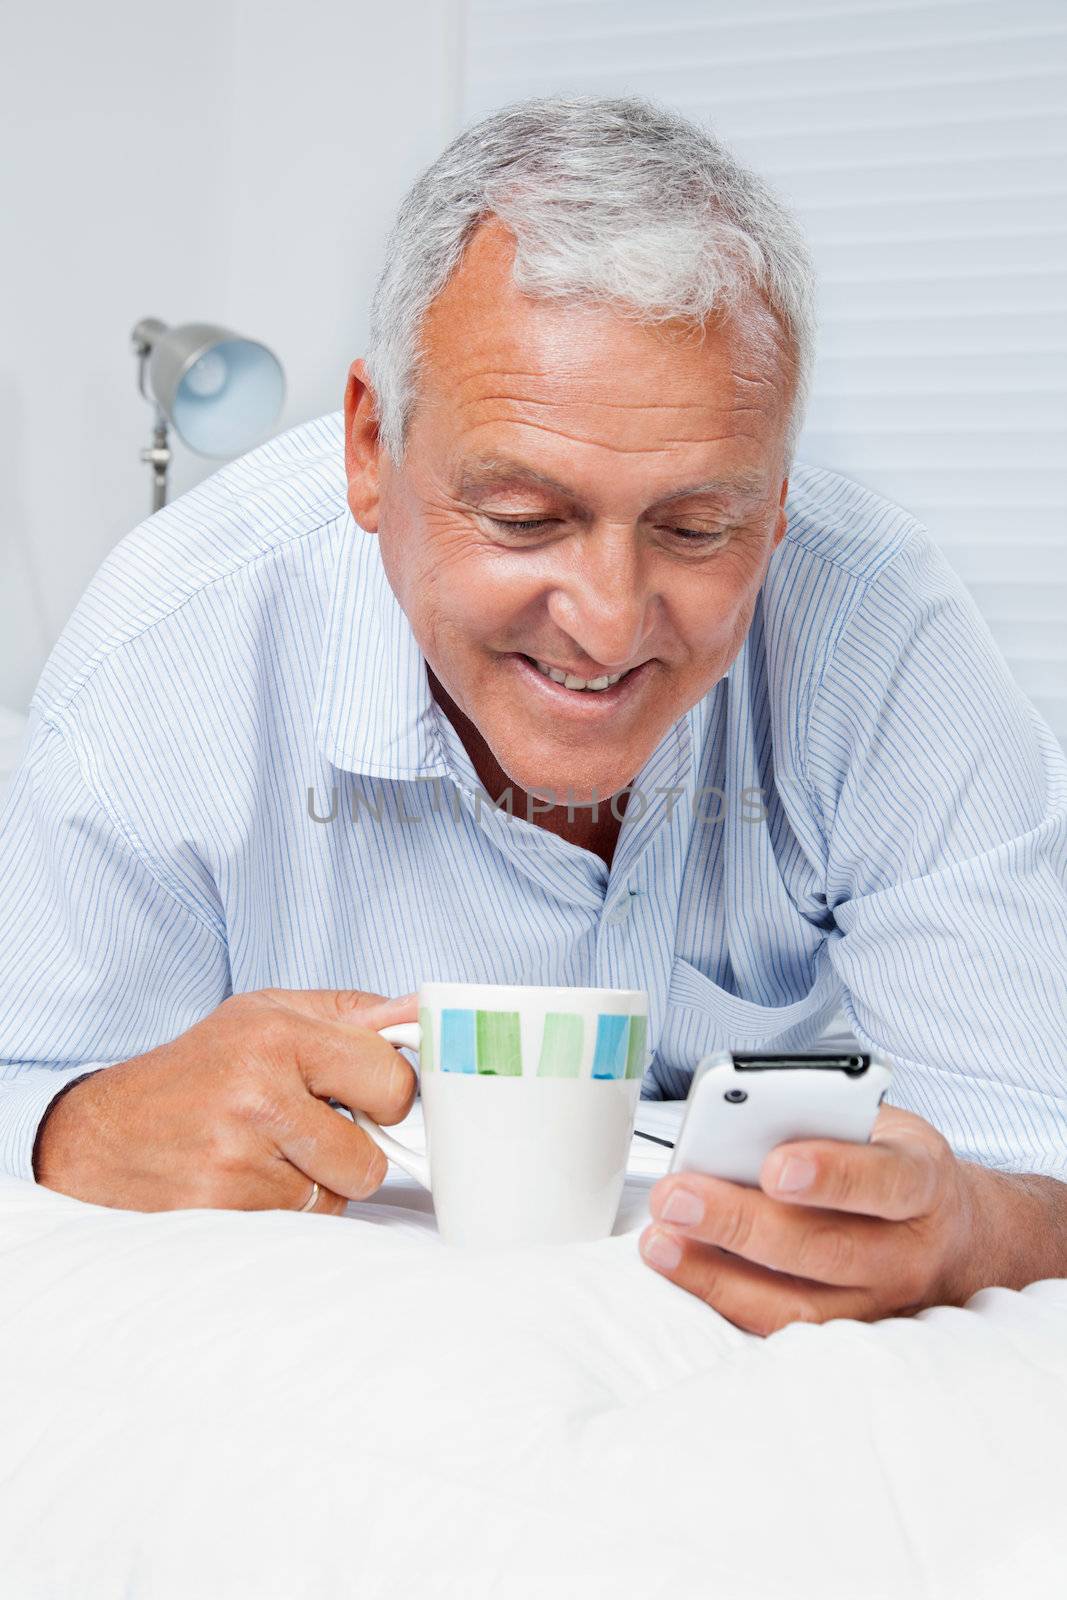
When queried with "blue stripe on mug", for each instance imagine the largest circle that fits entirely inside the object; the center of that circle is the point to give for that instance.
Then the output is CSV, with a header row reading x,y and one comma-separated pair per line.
x,y
609,1053
458,1041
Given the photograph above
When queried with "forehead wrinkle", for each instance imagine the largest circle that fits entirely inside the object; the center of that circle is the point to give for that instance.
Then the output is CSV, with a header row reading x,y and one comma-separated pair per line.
x,y
620,449
544,380
752,377
550,402
728,404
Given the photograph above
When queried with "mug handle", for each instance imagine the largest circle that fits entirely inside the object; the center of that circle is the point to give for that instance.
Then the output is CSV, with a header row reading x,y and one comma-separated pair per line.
x,y
412,1162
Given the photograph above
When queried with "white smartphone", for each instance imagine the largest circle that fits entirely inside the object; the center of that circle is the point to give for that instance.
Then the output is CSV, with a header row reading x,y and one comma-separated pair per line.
x,y
741,1104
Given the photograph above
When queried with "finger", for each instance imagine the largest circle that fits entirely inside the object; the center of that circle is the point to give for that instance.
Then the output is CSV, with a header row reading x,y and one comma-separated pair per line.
x,y
326,1201
898,1175
342,1061
273,1184
749,1296
330,1149
827,1248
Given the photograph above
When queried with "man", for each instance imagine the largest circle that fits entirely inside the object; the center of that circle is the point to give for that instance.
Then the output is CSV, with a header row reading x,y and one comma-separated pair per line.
x,y
566,672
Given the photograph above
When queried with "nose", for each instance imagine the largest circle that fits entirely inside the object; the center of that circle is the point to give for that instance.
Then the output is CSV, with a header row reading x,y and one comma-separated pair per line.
x,y
604,601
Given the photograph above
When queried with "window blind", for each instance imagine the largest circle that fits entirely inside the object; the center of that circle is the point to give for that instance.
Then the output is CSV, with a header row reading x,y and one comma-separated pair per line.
x,y
921,144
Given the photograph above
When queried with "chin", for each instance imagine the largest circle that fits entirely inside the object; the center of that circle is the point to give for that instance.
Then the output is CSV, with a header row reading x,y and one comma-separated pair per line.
x,y
550,764
578,786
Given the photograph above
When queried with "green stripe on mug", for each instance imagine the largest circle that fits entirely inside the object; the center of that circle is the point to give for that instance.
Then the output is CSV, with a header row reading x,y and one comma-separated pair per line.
x,y
499,1044
561,1045
635,1049
426,1048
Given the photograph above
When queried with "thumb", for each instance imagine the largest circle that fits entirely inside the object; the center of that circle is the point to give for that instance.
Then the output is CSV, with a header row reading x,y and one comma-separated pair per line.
x,y
360,1008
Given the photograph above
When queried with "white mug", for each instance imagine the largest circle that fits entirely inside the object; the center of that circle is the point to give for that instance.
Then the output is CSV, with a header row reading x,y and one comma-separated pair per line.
x,y
529,1095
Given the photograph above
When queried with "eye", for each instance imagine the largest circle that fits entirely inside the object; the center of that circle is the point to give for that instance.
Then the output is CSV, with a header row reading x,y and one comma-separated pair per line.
x,y
526,526
693,536
699,536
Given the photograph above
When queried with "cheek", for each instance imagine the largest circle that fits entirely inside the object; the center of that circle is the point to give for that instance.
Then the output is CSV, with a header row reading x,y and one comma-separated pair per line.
x,y
429,563
713,613
462,594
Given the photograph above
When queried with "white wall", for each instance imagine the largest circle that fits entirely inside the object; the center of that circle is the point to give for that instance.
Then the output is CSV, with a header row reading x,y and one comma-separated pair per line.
x,y
235,161
337,105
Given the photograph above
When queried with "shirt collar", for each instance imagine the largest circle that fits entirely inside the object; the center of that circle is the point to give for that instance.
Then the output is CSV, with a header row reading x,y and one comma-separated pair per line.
x,y
374,711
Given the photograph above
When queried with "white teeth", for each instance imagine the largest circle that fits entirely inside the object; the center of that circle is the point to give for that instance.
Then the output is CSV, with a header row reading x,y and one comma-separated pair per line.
x,y
569,681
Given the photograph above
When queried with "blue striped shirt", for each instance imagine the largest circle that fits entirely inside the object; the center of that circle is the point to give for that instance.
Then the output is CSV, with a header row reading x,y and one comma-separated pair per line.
x,y
236,776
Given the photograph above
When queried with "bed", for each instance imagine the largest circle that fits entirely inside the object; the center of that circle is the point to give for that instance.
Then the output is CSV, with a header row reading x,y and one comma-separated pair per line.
x,y
220,1404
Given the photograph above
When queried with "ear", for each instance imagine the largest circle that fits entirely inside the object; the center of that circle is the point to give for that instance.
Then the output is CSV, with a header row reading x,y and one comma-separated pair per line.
x,y
782,522
363,453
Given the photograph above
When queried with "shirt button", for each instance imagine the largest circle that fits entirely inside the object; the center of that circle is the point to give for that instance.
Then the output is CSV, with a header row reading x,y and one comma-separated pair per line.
x,y
621,911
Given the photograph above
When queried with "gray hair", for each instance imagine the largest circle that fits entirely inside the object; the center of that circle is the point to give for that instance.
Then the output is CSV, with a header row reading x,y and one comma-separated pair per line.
x,y
612,200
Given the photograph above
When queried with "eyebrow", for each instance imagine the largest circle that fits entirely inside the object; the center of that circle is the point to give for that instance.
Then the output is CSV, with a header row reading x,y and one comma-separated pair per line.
x,y
499,472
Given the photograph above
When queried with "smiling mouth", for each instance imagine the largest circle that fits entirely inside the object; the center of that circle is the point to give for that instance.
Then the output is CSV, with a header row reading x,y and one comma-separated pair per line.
x,y
618,690
570,680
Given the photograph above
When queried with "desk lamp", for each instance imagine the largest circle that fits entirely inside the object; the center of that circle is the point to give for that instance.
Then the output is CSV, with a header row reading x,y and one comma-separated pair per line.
x,y
220,392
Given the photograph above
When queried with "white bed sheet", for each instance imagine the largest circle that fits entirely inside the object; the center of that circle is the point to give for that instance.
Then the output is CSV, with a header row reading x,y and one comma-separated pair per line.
x,y
217,1404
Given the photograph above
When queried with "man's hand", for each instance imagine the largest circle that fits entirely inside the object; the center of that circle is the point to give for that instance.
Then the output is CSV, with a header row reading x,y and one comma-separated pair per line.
x,y
835,1230
234,1112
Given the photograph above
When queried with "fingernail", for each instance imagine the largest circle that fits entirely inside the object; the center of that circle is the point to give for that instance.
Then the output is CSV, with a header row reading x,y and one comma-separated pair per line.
x,y
682,1206
662,1250
796,1173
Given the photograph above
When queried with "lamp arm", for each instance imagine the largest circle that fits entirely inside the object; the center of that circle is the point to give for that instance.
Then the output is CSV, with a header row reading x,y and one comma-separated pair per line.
x,y
157,455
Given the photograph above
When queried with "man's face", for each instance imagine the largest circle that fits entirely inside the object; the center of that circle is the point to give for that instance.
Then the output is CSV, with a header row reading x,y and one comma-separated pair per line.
x,y
548,508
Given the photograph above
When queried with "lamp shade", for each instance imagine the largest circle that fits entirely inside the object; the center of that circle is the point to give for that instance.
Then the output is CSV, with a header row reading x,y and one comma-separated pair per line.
x,y
220,392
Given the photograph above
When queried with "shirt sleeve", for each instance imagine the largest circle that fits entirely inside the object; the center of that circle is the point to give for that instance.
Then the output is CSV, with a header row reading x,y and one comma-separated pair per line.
x,y
942,798
99,959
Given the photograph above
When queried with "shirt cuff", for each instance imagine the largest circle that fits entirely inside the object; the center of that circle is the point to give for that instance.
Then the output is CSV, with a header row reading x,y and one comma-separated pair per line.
x,y
26,1092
